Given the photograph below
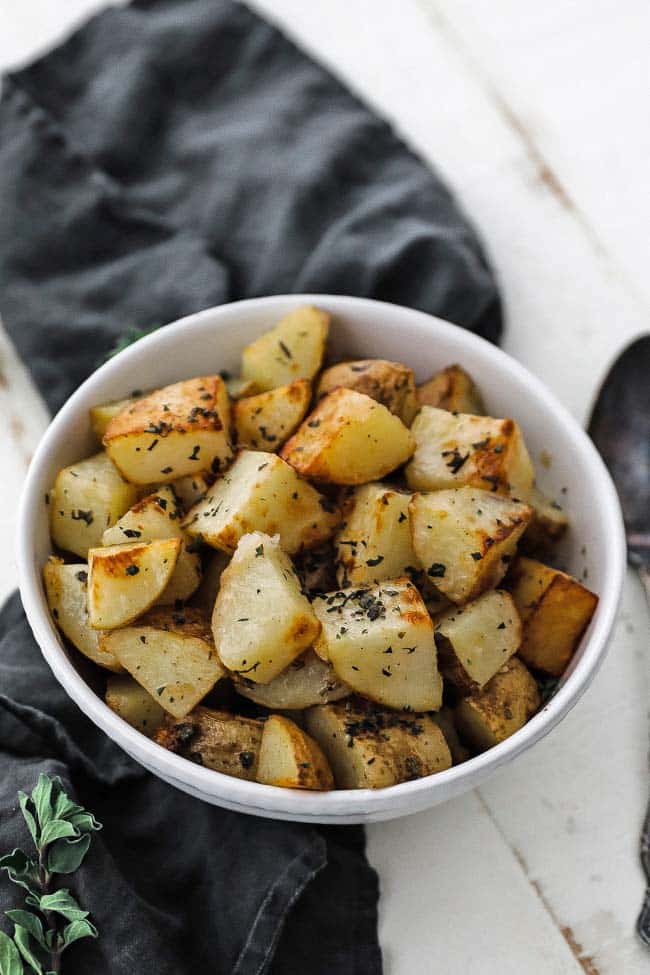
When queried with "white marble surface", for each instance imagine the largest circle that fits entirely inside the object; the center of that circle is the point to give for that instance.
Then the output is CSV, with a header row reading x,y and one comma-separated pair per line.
x,y
537,116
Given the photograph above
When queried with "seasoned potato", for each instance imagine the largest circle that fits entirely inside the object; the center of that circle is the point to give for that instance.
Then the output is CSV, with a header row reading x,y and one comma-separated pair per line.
x,y
221,741
87,498
446,721
476,640
555,610
505,704
171,654
157,517
190,489
371,748
451,389
374,542
125,580
262,493
390,383
238,387
294,349
261,620
349,439
267,420
464,539
66,588
290,758
380,642
205,596
178,430
101,416
548,526
454,450
307,681
133,704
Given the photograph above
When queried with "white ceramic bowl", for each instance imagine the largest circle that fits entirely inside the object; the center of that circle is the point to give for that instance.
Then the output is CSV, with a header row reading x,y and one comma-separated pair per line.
x,y
213,340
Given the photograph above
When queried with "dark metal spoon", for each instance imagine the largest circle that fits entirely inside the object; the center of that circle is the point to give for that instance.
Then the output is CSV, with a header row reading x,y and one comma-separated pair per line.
x,y
620,428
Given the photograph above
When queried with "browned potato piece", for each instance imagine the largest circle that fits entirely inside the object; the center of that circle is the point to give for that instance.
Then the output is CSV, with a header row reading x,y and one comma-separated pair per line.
x,y
374,542
307,681
349,439
446,721
171,654
265,421
505,704
458,449
451,389
133,704
548,526
474,641
464,539
390,383
101,416
371,748
294,349
218,740
555,609
86,499
178,430
290,758
125,580
261,492
238,387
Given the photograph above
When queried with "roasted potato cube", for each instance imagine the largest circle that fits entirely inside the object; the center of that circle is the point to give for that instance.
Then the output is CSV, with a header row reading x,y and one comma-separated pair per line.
x,y
125,580
451,389
133,704
66,588
156,517
371,748
349,439
446,721
374,542
206,595
101,416
464,539
265,421
474,641
218,740
87,498
178,430
261,620
548,526
505,704
171,654
294,349
190,489
262,493
555,610
390,383
307,681
238,387
481,451
380,642
290,758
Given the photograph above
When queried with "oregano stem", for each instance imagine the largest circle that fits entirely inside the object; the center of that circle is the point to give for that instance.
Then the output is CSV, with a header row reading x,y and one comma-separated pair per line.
x,y
45,881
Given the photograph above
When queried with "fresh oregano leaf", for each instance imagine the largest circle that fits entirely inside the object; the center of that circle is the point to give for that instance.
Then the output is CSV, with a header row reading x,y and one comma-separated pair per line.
x,y
22,869
26,806
66,856
62,902
21,937
85,822
57,829
41,797
10,961
64,807
31,923
128,338
77,930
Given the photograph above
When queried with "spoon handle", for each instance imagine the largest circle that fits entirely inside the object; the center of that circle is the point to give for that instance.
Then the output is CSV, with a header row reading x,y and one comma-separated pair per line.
x,y
643,922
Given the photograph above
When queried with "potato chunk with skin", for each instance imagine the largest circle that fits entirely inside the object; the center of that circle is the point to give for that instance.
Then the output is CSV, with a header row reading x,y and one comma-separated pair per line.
x,y
171,654
66,588
178,430
555,610
505,704
370,748
548,526
218,740
261,492
349,439
380,642
307,681
451,389
133,704
261,620
476,640
290,758
390,383
294,349
265,421
125,580
454,450
156,517
87,498
464,539
374,542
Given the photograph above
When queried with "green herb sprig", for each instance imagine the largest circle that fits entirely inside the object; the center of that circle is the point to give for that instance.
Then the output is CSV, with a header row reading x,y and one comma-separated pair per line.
x,y
128,337
61,831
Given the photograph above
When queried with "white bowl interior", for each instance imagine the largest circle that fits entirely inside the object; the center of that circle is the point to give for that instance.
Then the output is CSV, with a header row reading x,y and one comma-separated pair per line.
x,y
567,464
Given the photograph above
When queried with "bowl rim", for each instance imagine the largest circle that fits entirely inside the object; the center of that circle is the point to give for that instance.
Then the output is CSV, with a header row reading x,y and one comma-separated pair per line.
x,y
338,805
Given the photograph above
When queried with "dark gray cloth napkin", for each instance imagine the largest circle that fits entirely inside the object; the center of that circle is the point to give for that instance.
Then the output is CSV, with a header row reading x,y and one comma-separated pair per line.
x,y
172,155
